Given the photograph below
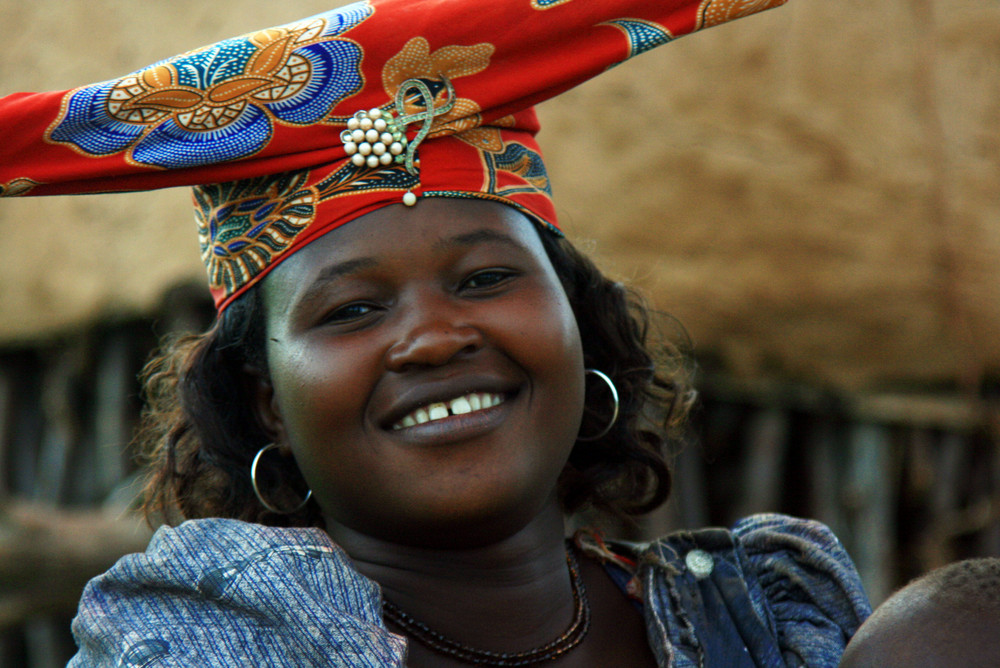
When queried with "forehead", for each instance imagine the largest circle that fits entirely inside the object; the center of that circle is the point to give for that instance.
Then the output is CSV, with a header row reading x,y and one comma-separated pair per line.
x,y
384,228
408,234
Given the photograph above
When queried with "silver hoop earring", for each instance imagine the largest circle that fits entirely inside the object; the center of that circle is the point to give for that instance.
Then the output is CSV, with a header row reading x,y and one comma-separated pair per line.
x,y
256,489
614,413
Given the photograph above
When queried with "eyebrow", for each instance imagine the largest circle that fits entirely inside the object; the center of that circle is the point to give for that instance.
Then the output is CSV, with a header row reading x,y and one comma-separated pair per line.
x,y
478,237
335,271
328,275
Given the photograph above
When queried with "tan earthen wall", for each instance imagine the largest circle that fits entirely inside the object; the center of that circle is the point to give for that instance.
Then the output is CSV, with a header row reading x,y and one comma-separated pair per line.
x,y
814,192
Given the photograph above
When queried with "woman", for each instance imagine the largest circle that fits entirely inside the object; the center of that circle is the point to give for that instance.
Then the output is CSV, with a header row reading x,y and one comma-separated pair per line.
x,y
381,435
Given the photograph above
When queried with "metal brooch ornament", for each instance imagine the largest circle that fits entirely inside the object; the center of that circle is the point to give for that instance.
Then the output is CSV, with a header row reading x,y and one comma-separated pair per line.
x,y
376,138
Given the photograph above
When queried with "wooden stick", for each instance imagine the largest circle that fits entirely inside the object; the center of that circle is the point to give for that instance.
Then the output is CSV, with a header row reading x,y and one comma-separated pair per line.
x,y
47,555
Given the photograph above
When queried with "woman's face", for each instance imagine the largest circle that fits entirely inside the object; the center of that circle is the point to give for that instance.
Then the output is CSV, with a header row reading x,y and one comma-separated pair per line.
x,y
426,371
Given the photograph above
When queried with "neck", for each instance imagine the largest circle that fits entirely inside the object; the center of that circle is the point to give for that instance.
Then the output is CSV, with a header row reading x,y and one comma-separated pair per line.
x,y
510,595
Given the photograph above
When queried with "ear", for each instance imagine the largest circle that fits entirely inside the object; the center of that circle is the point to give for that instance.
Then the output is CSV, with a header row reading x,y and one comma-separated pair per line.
x,y
265,404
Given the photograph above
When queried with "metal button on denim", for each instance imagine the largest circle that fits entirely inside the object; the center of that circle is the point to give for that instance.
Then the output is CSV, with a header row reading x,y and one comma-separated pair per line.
x,y
700,563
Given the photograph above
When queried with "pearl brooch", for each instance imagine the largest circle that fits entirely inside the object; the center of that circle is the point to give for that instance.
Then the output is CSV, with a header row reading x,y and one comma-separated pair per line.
x,y
377,138
373,138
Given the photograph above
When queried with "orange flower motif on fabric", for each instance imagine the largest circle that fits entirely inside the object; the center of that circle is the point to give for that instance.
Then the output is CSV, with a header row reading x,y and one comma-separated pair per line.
x,y
272,73
483,138
221,102
713,12
488,138
415,61
17,187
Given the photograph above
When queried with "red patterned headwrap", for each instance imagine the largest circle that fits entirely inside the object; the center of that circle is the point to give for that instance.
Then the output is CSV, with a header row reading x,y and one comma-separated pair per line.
x,y
301,128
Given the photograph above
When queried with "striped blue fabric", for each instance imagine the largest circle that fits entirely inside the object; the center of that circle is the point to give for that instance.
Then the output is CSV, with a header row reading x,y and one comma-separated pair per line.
x,y
223,593
781,592
220,592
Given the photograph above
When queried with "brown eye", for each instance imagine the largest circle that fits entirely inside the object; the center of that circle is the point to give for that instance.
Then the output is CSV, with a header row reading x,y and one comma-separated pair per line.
x,y
487,278
349,313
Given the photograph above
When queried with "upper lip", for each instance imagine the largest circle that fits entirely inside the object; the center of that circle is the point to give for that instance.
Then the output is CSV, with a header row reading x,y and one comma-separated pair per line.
x,y
428,392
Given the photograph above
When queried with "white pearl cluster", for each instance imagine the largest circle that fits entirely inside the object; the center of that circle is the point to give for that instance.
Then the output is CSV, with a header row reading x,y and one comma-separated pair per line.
x,y
373,138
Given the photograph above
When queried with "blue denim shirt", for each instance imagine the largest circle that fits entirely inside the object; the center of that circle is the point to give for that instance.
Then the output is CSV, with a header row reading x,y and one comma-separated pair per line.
x,y
773,591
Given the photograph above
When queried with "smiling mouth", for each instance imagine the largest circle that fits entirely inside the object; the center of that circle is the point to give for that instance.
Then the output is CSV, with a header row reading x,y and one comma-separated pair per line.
x,y
463,405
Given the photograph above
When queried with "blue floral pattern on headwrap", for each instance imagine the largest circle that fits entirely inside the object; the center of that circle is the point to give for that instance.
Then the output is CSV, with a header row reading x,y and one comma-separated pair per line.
x,y
642,35
221,102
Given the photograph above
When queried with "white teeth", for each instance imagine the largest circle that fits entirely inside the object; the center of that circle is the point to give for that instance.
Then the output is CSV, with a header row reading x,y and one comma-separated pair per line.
x,y
460,406
421,416
468,403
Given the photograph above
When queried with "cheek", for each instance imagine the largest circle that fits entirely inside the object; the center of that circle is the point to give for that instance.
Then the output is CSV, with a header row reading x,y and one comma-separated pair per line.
x,y
554,338
554,352
546,324
322,394
319,392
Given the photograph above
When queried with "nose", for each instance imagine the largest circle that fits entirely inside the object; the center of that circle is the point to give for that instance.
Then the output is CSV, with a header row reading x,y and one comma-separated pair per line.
x,y
433,338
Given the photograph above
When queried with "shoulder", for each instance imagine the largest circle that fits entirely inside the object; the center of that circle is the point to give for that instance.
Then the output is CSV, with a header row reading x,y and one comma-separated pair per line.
x,y
215,591
787,583
807,579
791,556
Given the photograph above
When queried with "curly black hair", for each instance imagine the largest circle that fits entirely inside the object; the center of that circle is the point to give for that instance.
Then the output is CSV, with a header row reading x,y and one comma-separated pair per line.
x,y
199,432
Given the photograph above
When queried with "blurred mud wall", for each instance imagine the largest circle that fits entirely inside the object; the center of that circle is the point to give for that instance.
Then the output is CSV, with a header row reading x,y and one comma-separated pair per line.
x,y
814,192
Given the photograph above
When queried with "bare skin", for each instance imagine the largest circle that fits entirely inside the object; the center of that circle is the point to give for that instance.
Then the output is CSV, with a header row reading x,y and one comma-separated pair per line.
x,y
911,630
518,589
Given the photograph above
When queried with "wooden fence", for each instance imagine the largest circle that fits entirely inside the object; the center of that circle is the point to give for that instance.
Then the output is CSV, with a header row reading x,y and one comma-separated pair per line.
x,y
908,482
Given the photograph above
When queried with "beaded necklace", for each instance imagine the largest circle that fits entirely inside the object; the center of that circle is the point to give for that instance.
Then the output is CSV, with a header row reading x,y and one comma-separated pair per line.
x,y
437,642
